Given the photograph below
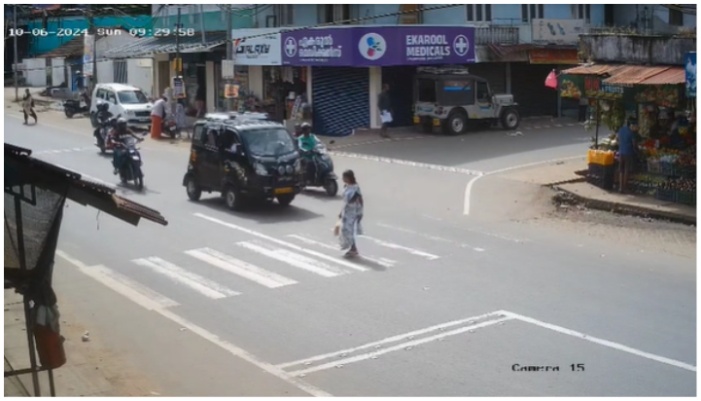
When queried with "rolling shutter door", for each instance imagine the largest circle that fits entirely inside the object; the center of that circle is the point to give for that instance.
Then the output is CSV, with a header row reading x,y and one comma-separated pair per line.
x,y
529,90
340,99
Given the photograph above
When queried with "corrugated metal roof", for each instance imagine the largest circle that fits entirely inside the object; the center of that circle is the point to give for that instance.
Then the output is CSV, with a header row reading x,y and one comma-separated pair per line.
x,y
72,48
594,69
167,44
673,76
633,74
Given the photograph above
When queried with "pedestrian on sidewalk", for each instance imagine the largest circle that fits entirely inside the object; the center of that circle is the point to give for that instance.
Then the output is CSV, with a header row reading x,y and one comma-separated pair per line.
x,y
626,152
28,107
351,214
385,105
583,108
158,114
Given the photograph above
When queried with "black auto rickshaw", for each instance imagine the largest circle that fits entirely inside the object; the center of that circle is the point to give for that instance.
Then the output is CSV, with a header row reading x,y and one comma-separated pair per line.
x,y
244,160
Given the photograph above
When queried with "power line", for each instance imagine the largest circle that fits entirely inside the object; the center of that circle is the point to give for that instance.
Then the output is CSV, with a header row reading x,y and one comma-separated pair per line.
x,y
285,30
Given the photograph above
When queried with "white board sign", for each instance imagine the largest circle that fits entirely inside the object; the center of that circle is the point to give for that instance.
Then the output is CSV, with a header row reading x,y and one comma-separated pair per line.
x,y
257,46
564,31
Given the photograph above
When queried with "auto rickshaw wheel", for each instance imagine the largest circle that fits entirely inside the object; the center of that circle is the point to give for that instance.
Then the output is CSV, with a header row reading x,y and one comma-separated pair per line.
x,y
194,192
233,199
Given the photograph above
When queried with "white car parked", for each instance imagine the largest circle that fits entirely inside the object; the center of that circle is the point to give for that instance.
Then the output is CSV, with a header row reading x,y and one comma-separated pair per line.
x,y
125,101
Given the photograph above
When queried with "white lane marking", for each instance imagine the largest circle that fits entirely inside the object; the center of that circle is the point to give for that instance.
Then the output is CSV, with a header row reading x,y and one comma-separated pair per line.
x,y
468,188
409,163
147,298
240,268
213,338
388,340
429,236
204,286
380,261
281,242
391,245
294,259
603,342
414,343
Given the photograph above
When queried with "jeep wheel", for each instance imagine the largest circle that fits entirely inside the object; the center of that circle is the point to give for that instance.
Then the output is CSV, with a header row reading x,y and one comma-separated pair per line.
x,y
456,123
194,192
285,200
233,198
510,119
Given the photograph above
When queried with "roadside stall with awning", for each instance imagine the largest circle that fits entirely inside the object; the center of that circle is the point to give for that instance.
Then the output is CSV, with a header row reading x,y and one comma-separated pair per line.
x,y
655,96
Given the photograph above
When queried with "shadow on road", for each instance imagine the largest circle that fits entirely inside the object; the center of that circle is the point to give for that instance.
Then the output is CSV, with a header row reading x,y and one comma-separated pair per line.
x,y
265,212
320,194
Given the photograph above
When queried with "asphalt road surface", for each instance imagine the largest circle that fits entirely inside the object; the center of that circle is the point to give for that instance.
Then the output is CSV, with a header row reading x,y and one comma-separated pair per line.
x,y
261,303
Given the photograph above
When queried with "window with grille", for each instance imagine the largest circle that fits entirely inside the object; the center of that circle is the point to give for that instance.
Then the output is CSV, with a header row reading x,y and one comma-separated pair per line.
x,y
479,12
284,14
582,11
532,11
329,13
676,17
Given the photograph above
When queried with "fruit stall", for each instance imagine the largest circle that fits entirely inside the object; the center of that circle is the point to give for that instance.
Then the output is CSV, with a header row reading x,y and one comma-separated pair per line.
x,y
655,96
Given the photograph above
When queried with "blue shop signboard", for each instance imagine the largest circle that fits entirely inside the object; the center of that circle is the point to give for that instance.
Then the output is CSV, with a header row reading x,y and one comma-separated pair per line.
x,y
690,68
379,46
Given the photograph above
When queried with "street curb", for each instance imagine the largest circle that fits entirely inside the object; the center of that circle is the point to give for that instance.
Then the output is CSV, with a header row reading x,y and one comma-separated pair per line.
x,y
568,197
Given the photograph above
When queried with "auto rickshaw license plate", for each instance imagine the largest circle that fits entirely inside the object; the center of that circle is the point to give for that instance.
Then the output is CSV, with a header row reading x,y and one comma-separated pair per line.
x,y
282,191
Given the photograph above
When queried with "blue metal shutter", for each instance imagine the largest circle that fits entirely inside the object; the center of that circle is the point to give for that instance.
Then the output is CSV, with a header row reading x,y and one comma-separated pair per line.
x,y
340,99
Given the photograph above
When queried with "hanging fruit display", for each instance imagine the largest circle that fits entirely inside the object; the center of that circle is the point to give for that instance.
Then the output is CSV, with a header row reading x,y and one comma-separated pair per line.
x,y
612,114
666,96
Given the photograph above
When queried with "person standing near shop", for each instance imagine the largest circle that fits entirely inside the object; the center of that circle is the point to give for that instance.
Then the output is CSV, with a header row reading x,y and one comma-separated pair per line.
x,y
385,105
583,107
626,152
158,113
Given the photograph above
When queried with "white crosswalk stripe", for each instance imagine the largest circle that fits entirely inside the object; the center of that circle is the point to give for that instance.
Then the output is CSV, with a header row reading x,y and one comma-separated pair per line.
x,y
204,286
311,241
293,259
239,267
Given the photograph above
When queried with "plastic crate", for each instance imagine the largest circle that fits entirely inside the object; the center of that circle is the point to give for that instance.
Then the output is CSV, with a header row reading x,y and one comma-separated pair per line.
x,y
666,195
601,176
600,157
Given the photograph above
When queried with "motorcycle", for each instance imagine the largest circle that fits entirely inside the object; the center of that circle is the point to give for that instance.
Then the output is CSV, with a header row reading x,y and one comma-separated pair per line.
x,y
77,106
105,124
130,169
324,176
170,128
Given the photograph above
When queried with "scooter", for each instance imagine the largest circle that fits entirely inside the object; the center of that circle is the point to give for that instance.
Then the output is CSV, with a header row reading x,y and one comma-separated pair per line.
x,y
72,107
130,169
324,176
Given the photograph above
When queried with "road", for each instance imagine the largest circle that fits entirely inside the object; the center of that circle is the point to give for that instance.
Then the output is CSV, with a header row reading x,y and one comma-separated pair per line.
x,y
260,302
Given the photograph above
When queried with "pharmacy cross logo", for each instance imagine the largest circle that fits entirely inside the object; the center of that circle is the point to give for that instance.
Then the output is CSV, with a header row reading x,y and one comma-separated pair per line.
x,y
372,46
290,47
461,45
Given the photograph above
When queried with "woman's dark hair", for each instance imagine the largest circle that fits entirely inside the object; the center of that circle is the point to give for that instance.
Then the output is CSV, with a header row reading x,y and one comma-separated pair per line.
x,y
350,176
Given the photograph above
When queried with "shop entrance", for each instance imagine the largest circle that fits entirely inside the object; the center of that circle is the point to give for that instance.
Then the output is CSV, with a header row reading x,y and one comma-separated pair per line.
x,y
401,93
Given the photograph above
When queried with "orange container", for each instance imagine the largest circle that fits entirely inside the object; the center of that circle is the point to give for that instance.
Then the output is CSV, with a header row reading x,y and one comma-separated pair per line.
x,y
600,157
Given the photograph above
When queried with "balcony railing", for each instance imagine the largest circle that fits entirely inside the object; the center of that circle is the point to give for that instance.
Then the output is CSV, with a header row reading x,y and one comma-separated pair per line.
x,y
499,35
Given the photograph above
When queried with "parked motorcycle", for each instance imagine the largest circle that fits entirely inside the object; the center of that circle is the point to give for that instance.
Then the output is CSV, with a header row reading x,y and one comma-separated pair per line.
x,y
72,107
170,128
324,176
130,169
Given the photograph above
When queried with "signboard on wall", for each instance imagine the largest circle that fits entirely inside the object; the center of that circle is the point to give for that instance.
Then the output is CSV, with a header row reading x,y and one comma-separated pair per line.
x,y
554,56
88,62
561,31
257,46
379,46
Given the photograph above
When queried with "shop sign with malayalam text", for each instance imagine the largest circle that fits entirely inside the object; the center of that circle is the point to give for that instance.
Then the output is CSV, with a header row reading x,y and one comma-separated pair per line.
x,y
380,46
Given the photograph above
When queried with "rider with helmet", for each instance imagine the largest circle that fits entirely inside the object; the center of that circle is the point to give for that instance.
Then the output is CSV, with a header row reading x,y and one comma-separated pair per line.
x,y
120,132
307,143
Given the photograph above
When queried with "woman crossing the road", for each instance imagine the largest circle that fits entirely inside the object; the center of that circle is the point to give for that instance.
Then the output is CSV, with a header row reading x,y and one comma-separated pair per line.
x,y
351,214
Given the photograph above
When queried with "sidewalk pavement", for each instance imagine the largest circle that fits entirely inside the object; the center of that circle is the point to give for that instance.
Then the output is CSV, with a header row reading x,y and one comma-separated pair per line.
x,y
90,370
572,188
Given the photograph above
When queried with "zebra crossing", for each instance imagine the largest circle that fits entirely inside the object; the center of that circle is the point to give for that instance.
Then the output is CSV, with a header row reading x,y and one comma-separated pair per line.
x,y
248,263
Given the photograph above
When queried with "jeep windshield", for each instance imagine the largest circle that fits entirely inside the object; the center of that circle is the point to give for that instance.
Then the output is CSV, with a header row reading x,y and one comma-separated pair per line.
x,y
268,142
132,97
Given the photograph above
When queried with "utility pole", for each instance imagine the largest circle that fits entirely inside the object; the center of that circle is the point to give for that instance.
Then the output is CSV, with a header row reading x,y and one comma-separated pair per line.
x,y
230,46
93,31
14,39
178,64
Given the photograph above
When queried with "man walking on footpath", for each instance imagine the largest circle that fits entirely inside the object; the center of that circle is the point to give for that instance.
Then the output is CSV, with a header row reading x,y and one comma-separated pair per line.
x,y
28,107
385,106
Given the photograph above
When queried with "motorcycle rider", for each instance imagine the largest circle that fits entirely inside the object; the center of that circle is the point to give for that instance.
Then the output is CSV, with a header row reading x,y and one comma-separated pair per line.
x,y
120,132
307,144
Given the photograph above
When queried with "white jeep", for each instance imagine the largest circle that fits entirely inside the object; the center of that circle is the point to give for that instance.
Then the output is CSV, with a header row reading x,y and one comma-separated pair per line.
x,y
452,99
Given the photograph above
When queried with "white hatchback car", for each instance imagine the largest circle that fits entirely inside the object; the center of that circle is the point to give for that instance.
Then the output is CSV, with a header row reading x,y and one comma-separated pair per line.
x,y
125,101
